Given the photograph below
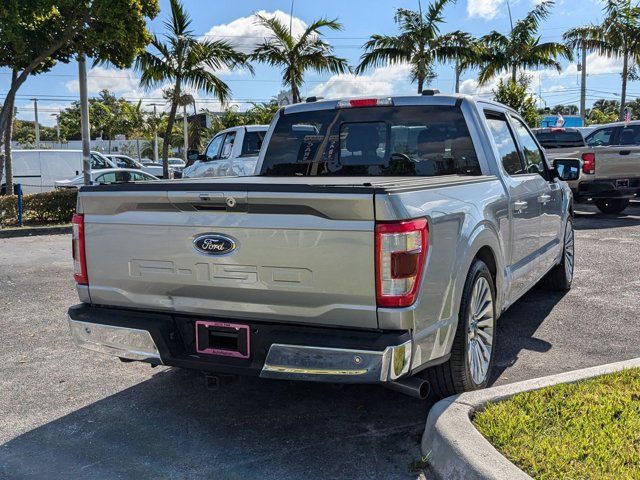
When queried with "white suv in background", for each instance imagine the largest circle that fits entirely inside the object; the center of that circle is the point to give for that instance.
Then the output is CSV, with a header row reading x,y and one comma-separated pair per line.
x,y
232,152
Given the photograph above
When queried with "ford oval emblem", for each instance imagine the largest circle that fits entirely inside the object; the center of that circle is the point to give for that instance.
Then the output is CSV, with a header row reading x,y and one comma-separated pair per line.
x,y
214,244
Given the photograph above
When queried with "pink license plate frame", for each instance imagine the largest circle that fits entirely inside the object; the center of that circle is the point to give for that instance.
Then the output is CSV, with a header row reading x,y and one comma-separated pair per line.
x,y
220,351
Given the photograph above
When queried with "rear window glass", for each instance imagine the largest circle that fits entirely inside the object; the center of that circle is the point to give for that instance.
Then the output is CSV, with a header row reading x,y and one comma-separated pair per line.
x,y
373,141
559,139
252,143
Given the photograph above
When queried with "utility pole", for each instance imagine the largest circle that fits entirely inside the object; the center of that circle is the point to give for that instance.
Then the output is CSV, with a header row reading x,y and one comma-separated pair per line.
x,y
185,127
37,125
155,133
57,115
84,119
583,85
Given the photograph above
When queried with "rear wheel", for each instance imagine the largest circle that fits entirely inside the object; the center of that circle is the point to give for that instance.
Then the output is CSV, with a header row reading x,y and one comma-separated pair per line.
x,y
612,205
473,348
561,276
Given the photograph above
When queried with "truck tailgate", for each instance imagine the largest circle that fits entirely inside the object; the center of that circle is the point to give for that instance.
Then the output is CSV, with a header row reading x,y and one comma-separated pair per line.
x,y
618,161
304,256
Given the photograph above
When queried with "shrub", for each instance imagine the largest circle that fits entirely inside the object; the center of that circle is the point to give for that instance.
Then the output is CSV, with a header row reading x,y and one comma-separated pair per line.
x,y
56,207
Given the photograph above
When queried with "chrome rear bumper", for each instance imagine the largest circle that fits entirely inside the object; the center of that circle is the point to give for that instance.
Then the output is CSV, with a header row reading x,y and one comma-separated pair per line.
x,y
122,342
283,361
320,364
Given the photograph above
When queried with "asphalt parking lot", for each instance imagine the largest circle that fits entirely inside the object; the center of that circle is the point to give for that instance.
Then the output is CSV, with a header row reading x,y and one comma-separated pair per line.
x,y
72,414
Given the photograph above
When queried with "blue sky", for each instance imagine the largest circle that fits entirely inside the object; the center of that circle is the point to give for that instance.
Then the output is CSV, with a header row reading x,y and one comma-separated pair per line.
x,y
360,18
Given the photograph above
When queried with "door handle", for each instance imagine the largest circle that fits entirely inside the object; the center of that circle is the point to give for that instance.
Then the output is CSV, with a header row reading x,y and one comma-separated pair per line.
x,y
544,198
624,152
520,205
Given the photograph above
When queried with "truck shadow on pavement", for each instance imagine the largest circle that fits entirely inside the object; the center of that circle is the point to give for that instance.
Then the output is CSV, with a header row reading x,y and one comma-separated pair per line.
x,y
170,426
518,325
588,217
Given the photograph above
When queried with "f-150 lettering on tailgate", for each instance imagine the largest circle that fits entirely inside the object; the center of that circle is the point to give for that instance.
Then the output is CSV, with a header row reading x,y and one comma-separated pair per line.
x,y
216,273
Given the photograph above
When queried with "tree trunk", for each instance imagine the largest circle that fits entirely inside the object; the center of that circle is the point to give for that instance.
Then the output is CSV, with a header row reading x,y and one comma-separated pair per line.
x,y
514,73
623,94
295,93
167,134
8,133
420,73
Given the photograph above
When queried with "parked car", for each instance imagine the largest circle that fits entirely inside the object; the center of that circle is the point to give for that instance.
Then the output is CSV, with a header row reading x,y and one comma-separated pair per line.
x,y
108,176
38,170
379,246
232,152
124,161
610,155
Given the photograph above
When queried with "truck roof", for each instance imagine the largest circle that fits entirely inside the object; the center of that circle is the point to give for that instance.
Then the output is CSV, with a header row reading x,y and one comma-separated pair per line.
x,y
449,99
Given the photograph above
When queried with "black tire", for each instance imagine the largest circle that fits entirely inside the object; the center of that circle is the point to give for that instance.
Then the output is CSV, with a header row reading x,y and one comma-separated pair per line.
x,y
560,277
612,205
454,376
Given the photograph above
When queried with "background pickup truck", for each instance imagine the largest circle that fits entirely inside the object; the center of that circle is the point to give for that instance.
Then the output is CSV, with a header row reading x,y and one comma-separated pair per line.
x,y
380,243
610,154
232,152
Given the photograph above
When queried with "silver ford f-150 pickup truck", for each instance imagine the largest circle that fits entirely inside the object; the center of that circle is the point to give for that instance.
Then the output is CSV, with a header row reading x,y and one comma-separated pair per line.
x,y
380,242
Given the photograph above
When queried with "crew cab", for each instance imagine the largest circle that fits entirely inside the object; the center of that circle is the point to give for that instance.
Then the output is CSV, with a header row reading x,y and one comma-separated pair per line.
x,y
380,242
610,154
232,152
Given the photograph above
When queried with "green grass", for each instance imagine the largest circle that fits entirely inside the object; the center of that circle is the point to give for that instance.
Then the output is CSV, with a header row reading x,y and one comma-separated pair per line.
x,y
586,430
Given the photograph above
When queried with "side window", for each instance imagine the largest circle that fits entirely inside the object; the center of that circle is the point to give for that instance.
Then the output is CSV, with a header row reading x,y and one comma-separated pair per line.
x,y
601,137
98,162
123,177
106,178
214,148
227,145
506,144
252,143
533,157
630,135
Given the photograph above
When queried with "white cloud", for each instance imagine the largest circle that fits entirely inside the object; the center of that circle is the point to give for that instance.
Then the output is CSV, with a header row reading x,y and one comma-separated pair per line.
x,y
245,33
485,9
392,79
597,64
99,78
556,88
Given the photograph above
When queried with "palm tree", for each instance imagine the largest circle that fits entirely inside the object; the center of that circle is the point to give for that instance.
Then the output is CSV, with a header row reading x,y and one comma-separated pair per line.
x,y
521,48
297,54
576,39
187,62
617,36
418,43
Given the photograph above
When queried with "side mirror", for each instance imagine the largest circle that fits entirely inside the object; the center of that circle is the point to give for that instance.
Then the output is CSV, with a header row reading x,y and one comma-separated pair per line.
x,y
567,169
193,155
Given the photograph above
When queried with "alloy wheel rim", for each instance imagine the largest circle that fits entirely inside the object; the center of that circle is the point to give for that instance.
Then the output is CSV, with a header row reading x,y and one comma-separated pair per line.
x,y
480,330
568,251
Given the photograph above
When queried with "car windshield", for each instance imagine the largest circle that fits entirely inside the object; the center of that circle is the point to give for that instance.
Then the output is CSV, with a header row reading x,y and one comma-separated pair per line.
x,y
372,141
551,139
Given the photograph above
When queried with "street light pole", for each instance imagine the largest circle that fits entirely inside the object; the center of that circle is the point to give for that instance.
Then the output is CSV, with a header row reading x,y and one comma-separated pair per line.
x,y
84,119
583,85
37,125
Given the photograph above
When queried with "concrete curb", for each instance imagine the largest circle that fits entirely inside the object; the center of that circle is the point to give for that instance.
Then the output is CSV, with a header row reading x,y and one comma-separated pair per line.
x,y
457,450
32,231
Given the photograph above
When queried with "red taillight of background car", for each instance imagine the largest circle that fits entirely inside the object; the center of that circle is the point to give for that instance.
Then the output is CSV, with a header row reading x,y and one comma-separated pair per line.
x,y
401,251
79,255
589,163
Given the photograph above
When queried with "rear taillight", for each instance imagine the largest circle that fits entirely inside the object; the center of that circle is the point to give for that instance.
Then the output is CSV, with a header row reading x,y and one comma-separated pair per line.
x,y
77,247
401,250
589,163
